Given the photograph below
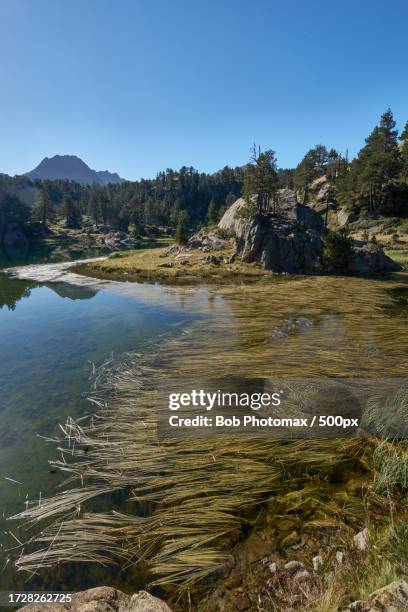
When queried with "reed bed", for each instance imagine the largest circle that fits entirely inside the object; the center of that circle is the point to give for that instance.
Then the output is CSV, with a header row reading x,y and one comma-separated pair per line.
x,y
178,506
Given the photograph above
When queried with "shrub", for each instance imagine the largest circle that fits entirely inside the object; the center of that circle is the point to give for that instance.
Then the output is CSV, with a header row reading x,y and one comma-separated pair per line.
x,y
337,252
223,233
245,212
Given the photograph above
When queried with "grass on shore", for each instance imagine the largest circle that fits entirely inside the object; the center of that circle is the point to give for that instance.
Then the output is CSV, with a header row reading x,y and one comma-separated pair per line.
x,y
147,264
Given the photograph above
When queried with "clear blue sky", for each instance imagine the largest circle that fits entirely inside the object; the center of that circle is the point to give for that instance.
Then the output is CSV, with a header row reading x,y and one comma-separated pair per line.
x,y
136,86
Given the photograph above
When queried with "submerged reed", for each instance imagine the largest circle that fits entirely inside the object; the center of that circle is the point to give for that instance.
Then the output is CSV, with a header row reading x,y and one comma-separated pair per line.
x,y
178,506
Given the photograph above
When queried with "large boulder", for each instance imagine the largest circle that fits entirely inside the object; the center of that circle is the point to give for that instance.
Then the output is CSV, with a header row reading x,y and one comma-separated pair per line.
x,y
289,242
369,258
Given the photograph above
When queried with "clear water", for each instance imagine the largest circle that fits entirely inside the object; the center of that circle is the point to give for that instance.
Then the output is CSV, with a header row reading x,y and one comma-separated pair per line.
x,y
50,335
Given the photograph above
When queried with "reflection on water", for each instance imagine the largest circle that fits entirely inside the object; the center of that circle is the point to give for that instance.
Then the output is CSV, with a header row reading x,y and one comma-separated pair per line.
x,y
51,334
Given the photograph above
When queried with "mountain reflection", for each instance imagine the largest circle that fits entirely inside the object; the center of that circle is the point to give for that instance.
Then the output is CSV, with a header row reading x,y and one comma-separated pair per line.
x,y
12,290
72,292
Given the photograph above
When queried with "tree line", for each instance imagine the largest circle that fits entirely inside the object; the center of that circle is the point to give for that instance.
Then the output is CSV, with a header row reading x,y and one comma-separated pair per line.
x,y
374,183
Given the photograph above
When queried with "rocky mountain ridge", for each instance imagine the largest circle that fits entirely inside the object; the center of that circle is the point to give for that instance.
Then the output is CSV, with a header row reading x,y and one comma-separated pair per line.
x,y
72,168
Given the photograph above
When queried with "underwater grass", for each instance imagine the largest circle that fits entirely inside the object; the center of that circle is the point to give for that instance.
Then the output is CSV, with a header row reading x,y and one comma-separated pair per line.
x,y
189,501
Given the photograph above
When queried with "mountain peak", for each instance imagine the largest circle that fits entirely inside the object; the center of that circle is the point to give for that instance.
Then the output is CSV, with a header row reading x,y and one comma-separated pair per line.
x,y
72,168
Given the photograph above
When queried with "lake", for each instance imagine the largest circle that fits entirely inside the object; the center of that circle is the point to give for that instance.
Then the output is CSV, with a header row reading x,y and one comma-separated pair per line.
x,y
56,327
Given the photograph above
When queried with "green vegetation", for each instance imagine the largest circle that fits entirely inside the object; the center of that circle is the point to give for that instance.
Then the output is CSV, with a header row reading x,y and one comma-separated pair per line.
x,y
372,186
146,264
261,178
337,253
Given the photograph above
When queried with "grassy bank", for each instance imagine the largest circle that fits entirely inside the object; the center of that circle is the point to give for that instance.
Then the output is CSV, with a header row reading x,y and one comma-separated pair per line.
x,y
147,264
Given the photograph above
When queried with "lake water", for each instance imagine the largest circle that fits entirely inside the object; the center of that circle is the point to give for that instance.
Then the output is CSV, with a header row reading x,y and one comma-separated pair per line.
x,y
54,325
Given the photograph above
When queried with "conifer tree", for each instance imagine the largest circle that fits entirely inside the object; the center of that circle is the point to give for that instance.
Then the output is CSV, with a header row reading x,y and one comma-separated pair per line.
x,y
43,209
261,180
71,212
212,213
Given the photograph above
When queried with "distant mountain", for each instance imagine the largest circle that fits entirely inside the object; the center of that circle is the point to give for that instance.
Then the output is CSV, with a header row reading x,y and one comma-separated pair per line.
x,y
72,168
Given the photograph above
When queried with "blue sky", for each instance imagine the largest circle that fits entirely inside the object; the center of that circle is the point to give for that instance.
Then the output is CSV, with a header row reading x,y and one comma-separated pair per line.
x,y
136,86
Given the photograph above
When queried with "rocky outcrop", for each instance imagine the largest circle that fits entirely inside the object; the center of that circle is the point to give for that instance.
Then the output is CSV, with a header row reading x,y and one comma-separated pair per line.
x,y
391,598
292,241
105,599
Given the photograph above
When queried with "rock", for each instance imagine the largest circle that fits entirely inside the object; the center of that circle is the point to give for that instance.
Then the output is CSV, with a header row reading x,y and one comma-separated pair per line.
x,y
273,568
234,580
391,598
293,241
370,258
344,217
211,260
317,184
302,575
119,240
144,602
172,249
317,562
166,264
361,540
339,557
206,241
292,567
181,259
106,599
290,242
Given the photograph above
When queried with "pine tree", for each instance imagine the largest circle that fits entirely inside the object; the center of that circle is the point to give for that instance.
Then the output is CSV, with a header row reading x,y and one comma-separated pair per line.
x,y
182,228
212,212
43,209
313,165
379,161
71,213
404,152
261,180
94,207
373,173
